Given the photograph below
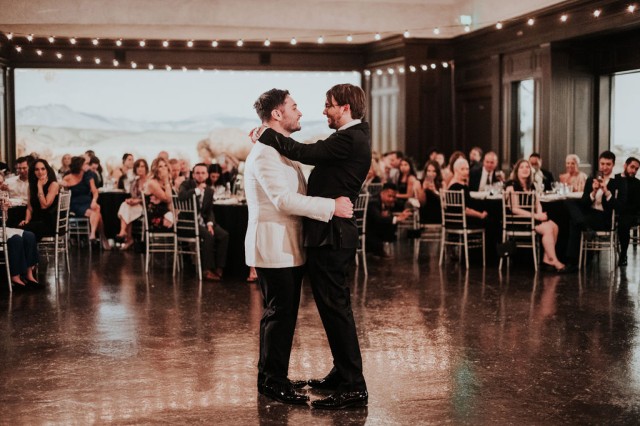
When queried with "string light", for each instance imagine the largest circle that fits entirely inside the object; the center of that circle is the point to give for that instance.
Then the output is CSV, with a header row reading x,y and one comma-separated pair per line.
x,y
293,41
401,70
390,71
631,8
424,67
239,43
214,43
530,22
72,40
200,70
95,41
97,60
320,40
445,65
436,31
467,28
499,25
10,36
433,66
184,69
267,43
51,39
377,36
30,38
367,73
119,42
116,63
59,55
190,43
150,66
18,49
134,65
412,68
39,52
564,18
379,72
407,34
349,38
78,58
167,67
165,43
142,43
597,12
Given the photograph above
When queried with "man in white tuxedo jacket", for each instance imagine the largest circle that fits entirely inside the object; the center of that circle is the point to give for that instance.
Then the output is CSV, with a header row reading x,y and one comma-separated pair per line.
x,y
275,190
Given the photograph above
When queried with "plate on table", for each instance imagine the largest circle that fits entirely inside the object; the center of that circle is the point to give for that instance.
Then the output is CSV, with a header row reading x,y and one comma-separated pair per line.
x,y
17,202
227,202
478,195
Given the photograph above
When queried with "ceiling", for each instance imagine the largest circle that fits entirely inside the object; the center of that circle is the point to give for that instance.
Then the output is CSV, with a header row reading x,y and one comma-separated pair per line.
x,y
255,20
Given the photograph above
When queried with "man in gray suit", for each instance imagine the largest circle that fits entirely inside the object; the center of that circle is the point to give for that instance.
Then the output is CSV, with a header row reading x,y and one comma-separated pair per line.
x,y
275,190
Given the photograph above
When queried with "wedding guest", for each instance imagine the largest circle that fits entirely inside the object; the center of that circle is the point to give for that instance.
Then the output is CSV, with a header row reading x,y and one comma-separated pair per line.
x,y
381,222
573,177
447,172
18,185
65,162
96,168
475,218
215,179
541,178
627,205
408,184
430,211
131,208
84,199
475,157
42,207
522,181
125,174
176,177
481,178
159,190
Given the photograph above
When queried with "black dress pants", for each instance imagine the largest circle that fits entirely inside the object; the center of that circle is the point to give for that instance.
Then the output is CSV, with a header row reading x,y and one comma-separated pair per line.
x,y
625,223
327,271
281,297
582,219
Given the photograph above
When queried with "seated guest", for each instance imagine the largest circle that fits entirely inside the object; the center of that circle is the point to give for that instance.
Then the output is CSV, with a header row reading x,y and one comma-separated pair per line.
x,y
42,208
23,257
131,208
593,211
475,218
96,169
84,199
125,174
430,201
541,178
381,222
481,178
475,157
159,191
65,162
573,177
185,169
447,172
374,175
18,185
214,180
522,181
628,204
408,184
391,166
176,177
215,240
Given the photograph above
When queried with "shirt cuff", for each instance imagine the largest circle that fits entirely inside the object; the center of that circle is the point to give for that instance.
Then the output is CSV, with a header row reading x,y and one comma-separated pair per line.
x,y
394,220
209,223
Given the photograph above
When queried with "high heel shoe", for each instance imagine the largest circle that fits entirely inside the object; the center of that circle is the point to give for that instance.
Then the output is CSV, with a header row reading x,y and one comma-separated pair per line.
x,y
18,287
34,285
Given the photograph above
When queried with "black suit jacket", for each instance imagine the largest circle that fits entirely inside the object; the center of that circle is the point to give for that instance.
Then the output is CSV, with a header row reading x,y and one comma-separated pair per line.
x,y
341,164
475,174
188,188
607,205
628,199
375,220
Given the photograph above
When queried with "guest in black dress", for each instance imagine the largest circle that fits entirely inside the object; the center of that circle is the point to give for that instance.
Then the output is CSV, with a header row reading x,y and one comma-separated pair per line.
x,y
42,207
475,218
430,211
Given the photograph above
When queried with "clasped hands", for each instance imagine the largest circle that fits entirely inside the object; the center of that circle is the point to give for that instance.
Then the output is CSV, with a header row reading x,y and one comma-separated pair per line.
x,y
255,133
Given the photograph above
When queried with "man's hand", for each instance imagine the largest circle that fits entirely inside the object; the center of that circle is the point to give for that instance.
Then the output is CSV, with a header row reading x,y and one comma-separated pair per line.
x,y
597,183
202,185
210,228
406,213
255,134
344,207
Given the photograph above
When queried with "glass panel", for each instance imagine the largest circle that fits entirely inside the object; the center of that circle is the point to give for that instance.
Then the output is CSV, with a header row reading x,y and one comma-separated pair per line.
x,y
526,117
625,126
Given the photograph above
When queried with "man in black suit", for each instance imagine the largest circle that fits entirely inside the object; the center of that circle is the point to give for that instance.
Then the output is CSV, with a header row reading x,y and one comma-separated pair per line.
x,y
541,177
627,204
215,240
381,223
593,211
341,164
481,178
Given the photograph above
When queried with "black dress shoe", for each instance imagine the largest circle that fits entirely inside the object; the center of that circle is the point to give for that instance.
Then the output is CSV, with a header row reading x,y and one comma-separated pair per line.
x,y
284,392
622,261
330,382
298,384
341,400
17,287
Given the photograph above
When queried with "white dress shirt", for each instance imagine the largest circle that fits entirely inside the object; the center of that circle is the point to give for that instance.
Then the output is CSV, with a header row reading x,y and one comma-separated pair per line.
x,y
18,188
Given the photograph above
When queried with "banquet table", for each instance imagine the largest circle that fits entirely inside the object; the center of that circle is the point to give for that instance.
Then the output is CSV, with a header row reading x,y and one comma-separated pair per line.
x,y
109,202
234,218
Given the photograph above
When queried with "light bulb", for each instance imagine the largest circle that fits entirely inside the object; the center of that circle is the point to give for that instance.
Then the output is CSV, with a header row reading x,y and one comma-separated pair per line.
x,y
499,25
436,31
597,12
190,43
267,43
167,67
30,37
39,52
467,28
377,36
150,66
379,72
134,65
424,67
95,41
142,43
293,41
118,43
349,38
165,43
115,63
97,60
72,40
78,58
59,55
367,73
407,34
239,43
564,18
51,39
18,49
320,40
412,68
531,21
214,43
631,8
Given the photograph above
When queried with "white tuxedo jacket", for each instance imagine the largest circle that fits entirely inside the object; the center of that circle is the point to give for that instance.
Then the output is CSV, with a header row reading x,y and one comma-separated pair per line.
x,y
275,190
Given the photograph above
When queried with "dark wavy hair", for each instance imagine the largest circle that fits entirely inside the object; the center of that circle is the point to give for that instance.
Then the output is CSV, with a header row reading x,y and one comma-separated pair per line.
x,y
33,180
76,165
438,180
268,101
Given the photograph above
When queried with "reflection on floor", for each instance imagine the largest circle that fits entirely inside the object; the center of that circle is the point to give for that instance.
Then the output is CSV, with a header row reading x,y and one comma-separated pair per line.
x,y
107,344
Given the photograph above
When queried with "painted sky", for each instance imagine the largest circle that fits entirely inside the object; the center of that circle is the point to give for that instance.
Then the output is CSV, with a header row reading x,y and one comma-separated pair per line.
x,y
175,95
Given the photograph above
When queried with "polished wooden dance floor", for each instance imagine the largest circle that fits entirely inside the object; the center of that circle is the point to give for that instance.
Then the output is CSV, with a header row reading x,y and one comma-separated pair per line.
x,y
109,345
